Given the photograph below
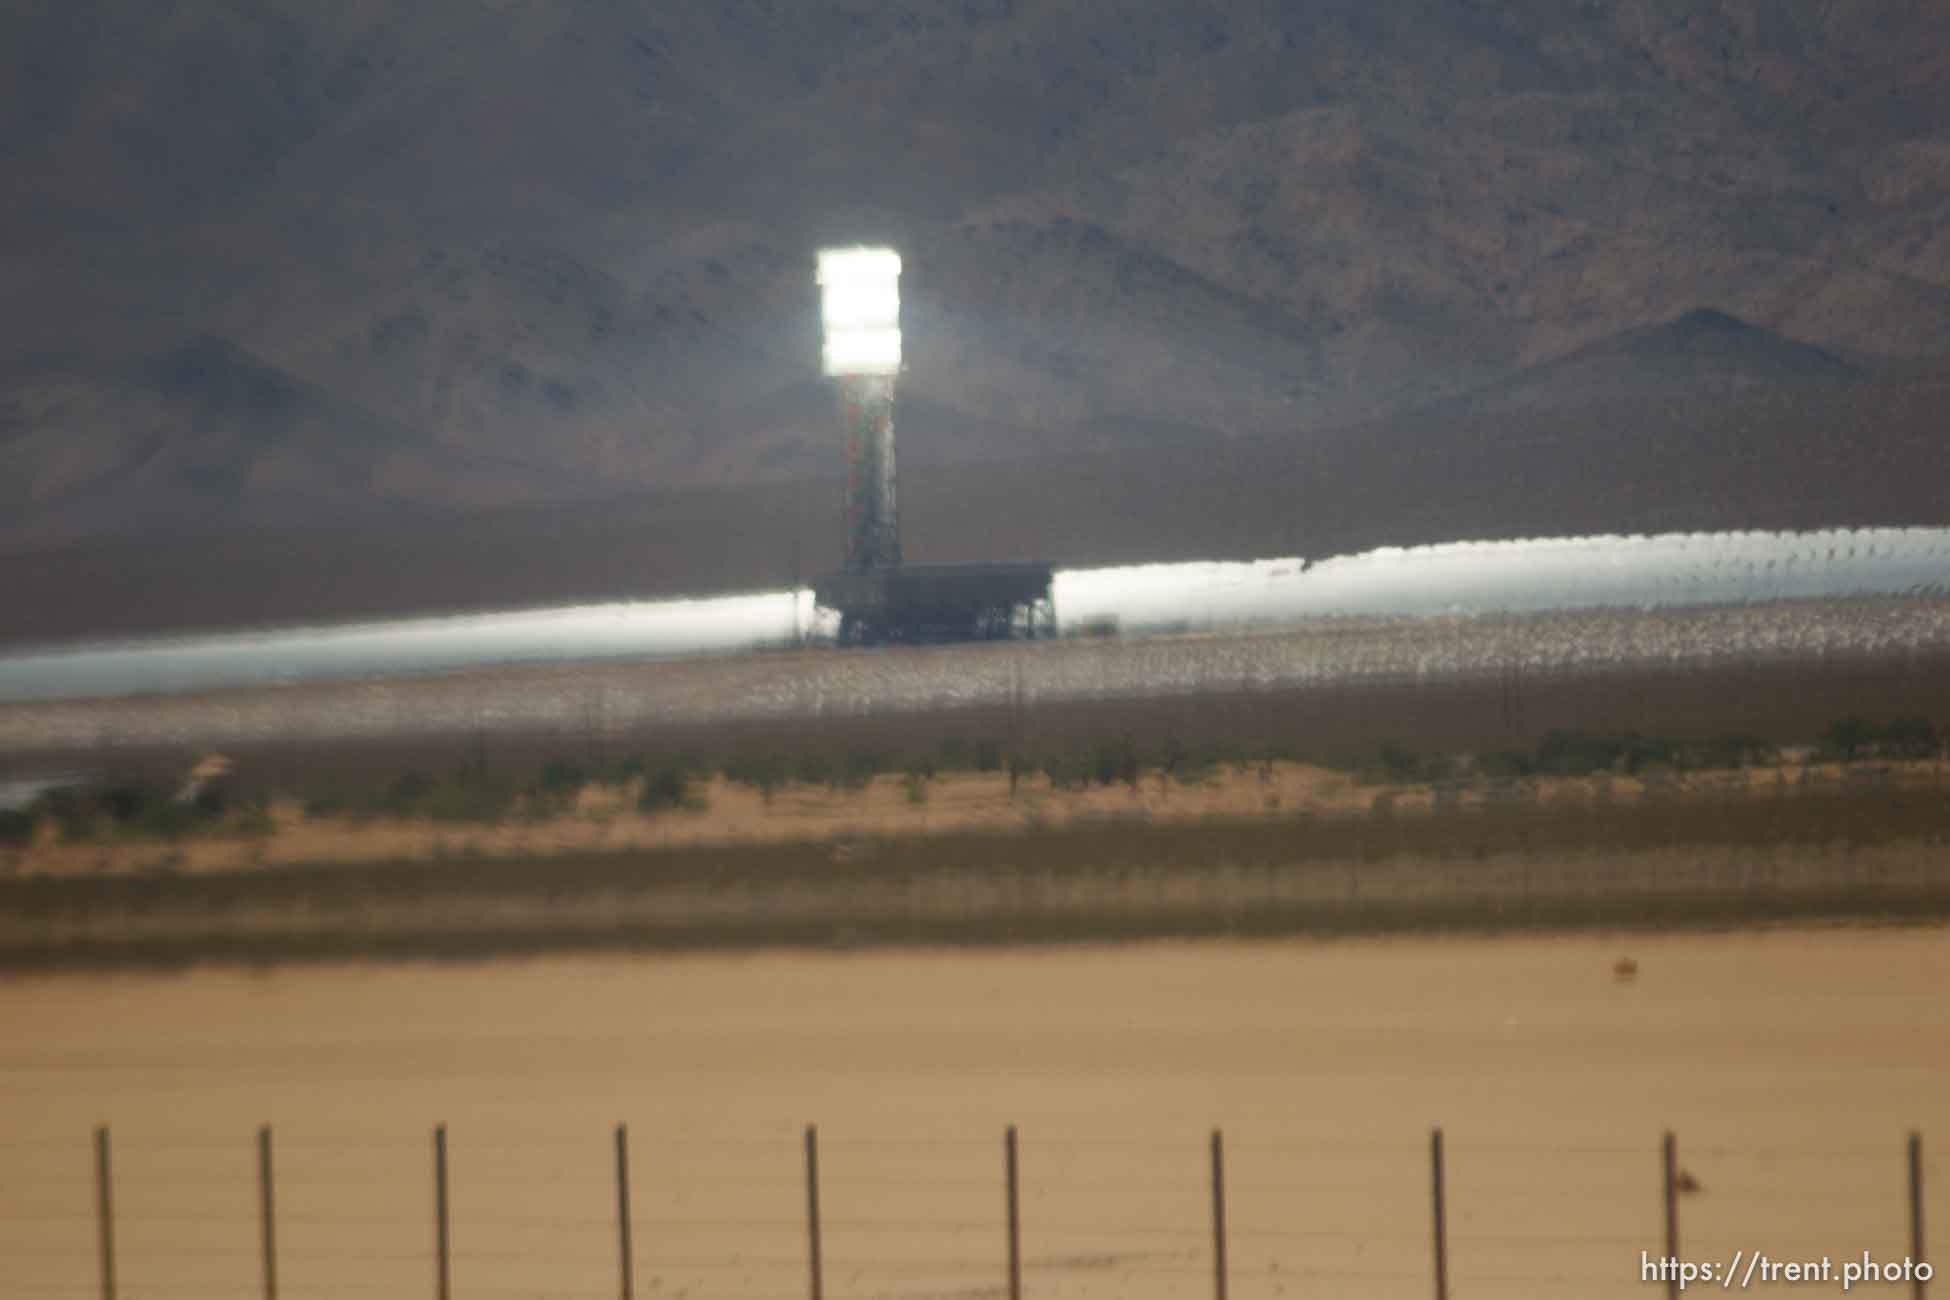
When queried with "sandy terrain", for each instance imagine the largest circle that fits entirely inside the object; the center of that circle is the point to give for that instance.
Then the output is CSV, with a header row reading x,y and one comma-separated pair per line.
x,y
1791,1064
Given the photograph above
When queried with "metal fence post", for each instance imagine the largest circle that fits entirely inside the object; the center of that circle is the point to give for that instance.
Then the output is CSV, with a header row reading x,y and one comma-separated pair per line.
x,y
1219,1214
1669,1149
267,1213
1919,1286
105,1212
812,1206
443,1273
626,1260
1441,1216
1013,1190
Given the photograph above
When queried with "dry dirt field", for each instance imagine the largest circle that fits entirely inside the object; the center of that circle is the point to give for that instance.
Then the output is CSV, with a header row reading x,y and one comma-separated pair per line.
x,y
1791,1064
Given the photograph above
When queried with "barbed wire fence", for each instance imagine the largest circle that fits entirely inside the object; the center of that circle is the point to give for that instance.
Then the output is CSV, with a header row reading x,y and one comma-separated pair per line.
x,y
871,1216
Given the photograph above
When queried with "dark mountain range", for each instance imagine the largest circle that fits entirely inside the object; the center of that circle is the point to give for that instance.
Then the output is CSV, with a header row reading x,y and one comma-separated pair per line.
x,y
210,434
1701,354
1812,453
319,267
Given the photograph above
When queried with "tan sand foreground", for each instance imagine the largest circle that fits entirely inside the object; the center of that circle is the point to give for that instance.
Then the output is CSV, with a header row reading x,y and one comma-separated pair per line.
x,y
1791,1065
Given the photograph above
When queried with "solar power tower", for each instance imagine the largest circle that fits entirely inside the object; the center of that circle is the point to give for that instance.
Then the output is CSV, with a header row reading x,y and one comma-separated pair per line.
x,y
877,597
861,309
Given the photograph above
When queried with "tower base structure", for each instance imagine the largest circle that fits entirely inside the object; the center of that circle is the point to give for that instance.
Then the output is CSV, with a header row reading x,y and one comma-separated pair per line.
x,y
934,603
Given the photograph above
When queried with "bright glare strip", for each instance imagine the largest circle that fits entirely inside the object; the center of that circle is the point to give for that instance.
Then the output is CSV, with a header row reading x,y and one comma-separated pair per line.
x,y
864,352
860,305
858,262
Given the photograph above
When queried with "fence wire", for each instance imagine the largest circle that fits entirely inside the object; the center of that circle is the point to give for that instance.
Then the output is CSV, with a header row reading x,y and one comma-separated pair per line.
x,y
914,1216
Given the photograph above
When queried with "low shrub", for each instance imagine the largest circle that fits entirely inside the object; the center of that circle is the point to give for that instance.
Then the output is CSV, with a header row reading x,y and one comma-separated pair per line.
x,y
1065,770
1116,761
472,796
562,778
1910,738
1733,750
17,827
1506,765
862,766
256,819
1848,739
665,788
812,768
764,772
1398,763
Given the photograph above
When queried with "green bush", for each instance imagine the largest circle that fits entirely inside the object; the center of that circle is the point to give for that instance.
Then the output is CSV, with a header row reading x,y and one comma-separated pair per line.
x,y
1911,738
1577,753
1398,762
1507,765
1573,753
130,808
75,815
1848,739
168,820
211,802
129,802
1065,770
988,757
862,766
407,796
562,778
256,819
472,796
1116,761
17,826
764,772
668,787
1172,756
1733,750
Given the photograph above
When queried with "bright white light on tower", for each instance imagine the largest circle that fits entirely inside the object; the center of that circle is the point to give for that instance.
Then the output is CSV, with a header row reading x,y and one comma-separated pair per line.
x,y
861,306
863,352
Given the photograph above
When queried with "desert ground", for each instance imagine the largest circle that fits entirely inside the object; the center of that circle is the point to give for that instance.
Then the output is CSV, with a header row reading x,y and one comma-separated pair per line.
x,y
1790,1064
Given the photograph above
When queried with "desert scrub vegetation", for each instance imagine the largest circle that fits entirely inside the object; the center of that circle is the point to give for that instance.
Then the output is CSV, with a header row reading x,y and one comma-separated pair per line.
x,y
17,827
1570,754
134,810
550,787
473,793
468,794
1849,740
668,787
1828,851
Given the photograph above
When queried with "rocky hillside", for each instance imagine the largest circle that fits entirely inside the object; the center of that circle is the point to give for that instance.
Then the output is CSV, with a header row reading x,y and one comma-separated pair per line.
x,y
278,261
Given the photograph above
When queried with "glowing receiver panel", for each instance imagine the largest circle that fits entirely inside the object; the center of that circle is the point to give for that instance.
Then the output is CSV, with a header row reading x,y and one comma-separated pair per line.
x,y
860,303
